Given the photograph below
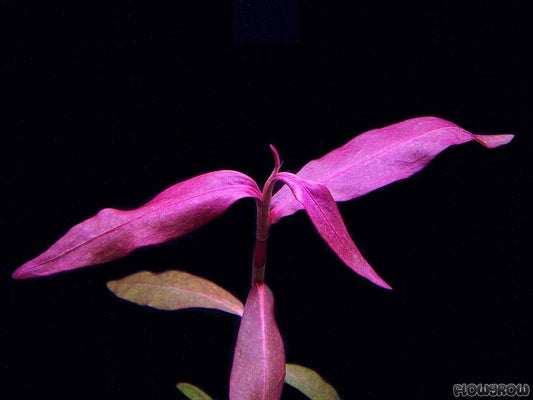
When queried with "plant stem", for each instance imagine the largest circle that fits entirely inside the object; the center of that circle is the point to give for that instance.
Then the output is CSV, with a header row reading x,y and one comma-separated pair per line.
x,y
262,230
263,223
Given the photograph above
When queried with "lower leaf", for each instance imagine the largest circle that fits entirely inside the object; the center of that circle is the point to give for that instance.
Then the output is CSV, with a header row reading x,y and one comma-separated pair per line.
x,y
259,361
175,290
193,392
309,383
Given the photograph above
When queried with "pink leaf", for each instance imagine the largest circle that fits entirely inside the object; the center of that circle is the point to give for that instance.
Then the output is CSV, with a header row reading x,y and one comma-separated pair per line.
x,y
325,215
112,233
379,157
259,361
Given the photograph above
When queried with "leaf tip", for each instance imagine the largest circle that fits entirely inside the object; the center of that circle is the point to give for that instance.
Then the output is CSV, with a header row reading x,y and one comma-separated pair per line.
x,y
18,274
112,285
277,160
24,272
373,277
378,281
492,141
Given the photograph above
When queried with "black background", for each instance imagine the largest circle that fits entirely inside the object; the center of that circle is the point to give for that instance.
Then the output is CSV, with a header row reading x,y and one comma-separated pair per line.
x,y
106,105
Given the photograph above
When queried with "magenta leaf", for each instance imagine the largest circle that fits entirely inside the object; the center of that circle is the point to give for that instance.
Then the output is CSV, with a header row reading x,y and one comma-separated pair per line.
x,y
323,211
379,157
259,361
112,233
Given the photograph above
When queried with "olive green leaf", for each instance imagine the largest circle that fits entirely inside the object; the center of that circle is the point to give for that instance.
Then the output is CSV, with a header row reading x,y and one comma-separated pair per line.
x,y
193,392
309,383
175,290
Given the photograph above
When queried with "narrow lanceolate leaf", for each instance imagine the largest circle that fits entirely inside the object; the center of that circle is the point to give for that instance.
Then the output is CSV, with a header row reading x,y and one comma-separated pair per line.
x,y
325,215
112,233
192,392
309,383
379,157
259,360
175,290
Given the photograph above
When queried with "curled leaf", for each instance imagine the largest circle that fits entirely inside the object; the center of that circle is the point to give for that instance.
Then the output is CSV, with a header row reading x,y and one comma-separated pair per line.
x,y
325,215
259,360
112,233
193,392
175,290
309,383
379,157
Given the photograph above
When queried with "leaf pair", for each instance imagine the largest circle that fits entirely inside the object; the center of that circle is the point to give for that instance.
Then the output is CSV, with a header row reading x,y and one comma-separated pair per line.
x,y
369,161
259,362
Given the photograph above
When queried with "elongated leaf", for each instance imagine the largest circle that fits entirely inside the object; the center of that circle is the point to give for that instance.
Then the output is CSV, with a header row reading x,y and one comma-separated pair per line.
x,y
259,360
175,290
379,157
327,219
309,383
114,233
193,392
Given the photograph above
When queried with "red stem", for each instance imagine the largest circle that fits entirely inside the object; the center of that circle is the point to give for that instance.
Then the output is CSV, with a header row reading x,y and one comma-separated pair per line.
x,y
261,234
263,224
